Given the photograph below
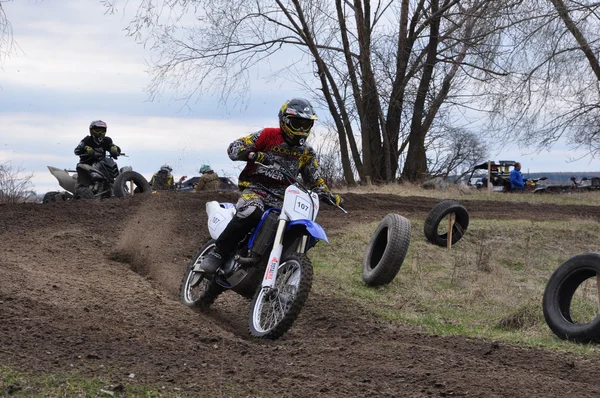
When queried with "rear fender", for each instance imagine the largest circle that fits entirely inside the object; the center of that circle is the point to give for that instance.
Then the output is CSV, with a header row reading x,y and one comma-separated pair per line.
x,y
65,180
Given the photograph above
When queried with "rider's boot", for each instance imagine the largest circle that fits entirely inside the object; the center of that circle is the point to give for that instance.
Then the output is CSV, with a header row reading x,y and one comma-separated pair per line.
x,y
226,243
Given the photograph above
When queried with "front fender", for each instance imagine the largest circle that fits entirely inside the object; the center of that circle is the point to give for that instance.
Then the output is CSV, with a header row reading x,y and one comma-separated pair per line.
x,y
314,230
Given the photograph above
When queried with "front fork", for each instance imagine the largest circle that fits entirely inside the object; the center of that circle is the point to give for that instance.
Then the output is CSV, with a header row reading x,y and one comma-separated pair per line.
x,y
275,255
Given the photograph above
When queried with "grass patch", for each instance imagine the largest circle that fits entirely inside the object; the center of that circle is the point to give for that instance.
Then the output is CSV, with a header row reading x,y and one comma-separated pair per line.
x,y
19,384
489,285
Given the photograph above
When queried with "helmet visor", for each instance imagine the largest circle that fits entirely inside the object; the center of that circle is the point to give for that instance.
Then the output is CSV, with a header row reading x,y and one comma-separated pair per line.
x,y
298,124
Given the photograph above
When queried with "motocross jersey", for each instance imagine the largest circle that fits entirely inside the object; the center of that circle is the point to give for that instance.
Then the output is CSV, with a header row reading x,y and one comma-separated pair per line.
x,y
270,184
88,158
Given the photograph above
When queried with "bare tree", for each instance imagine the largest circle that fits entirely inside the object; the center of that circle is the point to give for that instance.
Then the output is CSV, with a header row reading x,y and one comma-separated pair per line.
x,y
6,38
385,69
454,149
552,90
15,186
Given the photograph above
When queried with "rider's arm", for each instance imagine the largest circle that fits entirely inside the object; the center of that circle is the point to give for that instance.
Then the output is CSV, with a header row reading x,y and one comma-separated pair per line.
x,y
201,183
80,148
311,172
240,148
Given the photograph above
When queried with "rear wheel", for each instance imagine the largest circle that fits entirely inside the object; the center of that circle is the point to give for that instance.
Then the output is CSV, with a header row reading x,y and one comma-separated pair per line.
x,y
130,182
84,193
197,290
50,197
274,310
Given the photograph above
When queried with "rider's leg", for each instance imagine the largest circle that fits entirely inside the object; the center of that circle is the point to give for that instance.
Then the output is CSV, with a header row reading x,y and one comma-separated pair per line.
x,y
249,211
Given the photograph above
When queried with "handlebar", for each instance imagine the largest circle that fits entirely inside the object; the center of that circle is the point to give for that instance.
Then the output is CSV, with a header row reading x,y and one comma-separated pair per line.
x,y
278,166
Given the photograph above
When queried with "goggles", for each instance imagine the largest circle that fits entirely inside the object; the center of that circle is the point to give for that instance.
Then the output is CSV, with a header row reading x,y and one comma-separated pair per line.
x,y
298,124
99,130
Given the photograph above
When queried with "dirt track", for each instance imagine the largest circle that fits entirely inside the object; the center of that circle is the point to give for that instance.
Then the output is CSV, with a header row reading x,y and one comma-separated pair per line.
x,y
92,287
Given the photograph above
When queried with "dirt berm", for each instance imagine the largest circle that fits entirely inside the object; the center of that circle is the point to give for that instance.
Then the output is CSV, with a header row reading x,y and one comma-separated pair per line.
x,y
91,287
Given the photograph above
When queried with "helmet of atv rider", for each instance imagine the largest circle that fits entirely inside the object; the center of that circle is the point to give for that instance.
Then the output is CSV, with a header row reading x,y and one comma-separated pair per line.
x,y
98,130
204,169
296,119
167,168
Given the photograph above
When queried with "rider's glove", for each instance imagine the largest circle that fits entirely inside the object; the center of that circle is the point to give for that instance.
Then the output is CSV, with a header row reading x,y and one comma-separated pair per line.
x,y
259,157
337,200
115,151
88,149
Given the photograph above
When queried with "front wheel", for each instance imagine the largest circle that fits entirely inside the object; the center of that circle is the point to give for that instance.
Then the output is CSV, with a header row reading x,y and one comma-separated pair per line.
x,y
274,310
197,290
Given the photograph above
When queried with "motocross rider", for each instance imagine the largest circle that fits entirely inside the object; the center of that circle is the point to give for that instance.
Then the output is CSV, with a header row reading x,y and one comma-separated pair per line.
x,y
262,188
93,147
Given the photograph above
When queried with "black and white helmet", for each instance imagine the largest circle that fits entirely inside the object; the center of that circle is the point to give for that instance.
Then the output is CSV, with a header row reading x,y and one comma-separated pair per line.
x,y
98,130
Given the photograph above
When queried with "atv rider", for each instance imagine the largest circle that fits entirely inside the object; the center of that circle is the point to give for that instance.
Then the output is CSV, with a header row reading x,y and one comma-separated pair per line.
x,y
163,180
93,148
209,180
264,188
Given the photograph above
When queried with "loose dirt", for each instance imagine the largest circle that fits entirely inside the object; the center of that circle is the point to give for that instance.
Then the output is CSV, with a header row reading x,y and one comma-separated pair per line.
x,y
92,287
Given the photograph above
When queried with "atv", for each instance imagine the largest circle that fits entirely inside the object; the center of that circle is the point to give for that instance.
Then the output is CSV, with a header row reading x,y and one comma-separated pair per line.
x,y
101,180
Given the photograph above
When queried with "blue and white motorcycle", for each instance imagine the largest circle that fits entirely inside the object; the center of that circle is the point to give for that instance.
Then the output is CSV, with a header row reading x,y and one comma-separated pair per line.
x,y
270,265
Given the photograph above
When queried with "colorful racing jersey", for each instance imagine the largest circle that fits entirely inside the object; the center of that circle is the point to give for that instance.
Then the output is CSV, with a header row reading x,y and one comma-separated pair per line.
x,y
270,182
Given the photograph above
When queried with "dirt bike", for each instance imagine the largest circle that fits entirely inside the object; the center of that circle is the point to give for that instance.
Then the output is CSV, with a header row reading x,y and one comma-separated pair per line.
x,y
103,179
276,249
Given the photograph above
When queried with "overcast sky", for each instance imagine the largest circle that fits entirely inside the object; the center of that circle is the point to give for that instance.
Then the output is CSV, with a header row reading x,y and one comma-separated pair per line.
x,y
74,64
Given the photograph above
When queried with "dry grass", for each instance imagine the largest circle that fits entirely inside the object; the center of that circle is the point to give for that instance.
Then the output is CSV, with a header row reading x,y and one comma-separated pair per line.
x,y
457,192
490,284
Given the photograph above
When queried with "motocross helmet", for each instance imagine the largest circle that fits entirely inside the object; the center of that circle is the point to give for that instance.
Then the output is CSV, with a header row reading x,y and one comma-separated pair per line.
x,y
167,168
204,169
296,119
98,130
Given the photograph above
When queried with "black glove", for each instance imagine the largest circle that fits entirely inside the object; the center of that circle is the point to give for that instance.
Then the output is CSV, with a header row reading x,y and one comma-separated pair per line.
x,y
115,151
259,157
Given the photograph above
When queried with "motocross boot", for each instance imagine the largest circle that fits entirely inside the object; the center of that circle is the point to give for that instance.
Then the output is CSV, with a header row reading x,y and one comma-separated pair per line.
x,y
211,262
226,243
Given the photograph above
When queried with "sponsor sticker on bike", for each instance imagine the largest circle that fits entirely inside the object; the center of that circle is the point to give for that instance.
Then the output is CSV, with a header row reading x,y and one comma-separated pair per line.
x,y
271,268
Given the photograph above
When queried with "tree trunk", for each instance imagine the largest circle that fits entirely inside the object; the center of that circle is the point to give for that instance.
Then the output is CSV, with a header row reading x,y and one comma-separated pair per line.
x,y
415,167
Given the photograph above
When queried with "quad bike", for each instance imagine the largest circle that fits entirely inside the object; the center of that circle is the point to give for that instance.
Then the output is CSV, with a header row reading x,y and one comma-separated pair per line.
x,y
532,185
103,179
269,265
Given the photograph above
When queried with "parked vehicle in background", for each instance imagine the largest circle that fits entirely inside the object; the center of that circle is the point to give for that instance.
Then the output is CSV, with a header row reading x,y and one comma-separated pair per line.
x,y
225,184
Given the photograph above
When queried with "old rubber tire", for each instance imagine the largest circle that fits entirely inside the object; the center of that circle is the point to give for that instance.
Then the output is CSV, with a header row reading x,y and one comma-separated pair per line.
x,y
121,185
386,251
559,293
84,193
437,214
